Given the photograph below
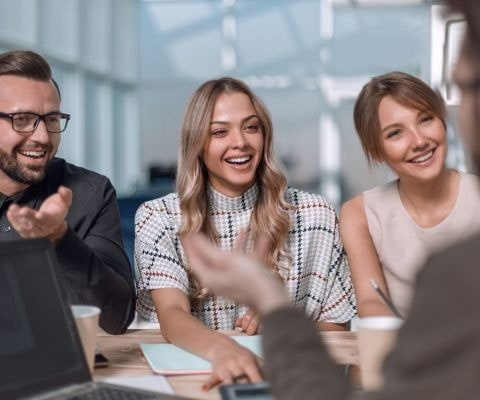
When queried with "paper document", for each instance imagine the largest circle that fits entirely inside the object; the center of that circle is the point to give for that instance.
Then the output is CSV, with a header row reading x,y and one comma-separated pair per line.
x,y
154,383
168,359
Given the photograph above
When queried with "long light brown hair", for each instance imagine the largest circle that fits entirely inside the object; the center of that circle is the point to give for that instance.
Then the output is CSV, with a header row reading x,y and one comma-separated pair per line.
x,y
270,217
404,89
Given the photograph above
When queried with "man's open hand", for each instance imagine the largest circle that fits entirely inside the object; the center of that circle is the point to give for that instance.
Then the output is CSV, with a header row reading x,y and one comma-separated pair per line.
x,y
48,222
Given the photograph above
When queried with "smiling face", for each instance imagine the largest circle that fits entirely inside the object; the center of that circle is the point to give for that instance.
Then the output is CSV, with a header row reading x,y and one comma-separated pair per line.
x,y
413,142
24,158
234,147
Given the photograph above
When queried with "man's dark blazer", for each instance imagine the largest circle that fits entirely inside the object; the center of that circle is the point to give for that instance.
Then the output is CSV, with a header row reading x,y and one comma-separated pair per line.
x,y
437,356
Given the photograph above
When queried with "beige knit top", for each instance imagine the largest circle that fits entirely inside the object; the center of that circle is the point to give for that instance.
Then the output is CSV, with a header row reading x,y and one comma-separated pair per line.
x,y
403,246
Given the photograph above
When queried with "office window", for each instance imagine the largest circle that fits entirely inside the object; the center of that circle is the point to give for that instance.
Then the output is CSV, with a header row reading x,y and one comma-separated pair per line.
x,y
263,26
59,28
72,145
125,139
98,123
124,45
180,40
96,40
18,22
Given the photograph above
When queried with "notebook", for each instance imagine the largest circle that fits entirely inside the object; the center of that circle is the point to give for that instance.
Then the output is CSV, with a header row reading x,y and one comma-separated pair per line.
x,y
168,359
40,353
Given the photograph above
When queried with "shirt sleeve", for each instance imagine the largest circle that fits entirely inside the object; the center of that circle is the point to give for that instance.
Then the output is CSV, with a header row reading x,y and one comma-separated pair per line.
x,y
158,255
339,304
319,279
93,262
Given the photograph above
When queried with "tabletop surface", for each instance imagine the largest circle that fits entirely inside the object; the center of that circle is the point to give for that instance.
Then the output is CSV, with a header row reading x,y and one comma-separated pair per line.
x,y
126,358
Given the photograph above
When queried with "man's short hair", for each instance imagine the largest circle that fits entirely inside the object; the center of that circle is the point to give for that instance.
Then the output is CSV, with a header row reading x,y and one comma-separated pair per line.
x,y
26,64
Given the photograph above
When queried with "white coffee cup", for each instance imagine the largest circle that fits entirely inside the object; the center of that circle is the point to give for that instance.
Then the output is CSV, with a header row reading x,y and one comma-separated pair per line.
x,y
376,338
86,320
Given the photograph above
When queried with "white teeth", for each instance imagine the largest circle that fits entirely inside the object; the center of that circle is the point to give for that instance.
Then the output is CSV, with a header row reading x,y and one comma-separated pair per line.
x,y
238,160
423,158
34,154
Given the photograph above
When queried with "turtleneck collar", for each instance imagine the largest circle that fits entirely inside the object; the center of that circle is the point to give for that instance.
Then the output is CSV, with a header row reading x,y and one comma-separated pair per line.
x,y
219,202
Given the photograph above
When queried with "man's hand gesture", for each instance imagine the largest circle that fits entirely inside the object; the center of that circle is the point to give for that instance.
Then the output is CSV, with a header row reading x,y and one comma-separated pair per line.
x,y
48,222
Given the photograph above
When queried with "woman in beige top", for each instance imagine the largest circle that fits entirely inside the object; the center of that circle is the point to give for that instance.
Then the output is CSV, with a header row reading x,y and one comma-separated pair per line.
x,y
389,231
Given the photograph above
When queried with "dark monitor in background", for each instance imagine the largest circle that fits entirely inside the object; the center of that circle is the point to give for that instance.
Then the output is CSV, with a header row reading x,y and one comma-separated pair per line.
x,y
161,183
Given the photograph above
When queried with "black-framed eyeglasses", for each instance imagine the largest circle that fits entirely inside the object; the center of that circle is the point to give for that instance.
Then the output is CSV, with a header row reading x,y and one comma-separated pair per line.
x,y
27,122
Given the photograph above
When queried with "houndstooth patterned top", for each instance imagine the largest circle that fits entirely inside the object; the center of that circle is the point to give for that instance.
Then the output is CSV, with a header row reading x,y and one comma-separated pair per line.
x,y
316,272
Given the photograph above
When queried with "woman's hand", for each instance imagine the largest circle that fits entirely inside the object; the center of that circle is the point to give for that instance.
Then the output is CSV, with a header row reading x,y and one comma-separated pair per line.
x,y
249,322
231,362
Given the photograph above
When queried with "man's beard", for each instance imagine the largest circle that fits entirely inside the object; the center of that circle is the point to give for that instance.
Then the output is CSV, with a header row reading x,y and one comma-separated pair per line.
x,y
22,173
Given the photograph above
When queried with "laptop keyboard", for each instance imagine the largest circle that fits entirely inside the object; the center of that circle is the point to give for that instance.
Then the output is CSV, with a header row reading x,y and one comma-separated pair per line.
x,y
108,393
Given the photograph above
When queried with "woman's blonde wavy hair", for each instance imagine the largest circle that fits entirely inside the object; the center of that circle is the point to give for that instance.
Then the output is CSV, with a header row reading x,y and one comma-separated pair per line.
x,y
270,217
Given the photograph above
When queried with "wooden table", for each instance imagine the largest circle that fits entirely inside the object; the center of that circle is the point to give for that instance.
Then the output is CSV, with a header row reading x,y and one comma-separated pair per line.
x,y
126,359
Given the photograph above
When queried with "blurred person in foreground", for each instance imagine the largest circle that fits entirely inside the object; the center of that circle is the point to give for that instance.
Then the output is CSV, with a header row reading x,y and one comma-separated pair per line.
x,y
437,355
42,196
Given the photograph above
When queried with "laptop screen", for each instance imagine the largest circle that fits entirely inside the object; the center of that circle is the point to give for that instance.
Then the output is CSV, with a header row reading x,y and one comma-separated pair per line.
x,y
39,347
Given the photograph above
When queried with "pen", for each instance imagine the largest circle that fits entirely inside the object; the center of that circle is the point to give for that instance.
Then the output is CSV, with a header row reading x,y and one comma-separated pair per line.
x,y
385,298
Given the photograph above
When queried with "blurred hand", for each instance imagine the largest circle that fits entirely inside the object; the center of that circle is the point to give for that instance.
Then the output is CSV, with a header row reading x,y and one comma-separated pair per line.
x,y
231,363
234,275
249,322
48,221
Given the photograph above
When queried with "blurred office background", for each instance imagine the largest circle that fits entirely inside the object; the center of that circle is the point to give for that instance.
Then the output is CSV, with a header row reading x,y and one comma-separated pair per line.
x,y
127,67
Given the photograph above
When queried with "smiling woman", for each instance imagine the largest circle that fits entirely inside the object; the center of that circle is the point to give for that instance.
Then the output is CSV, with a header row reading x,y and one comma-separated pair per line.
x,y
230,188
234,149
389,231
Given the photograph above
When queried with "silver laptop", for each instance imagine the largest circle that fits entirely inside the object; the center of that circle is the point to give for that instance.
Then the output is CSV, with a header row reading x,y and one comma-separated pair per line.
x,y
40,352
